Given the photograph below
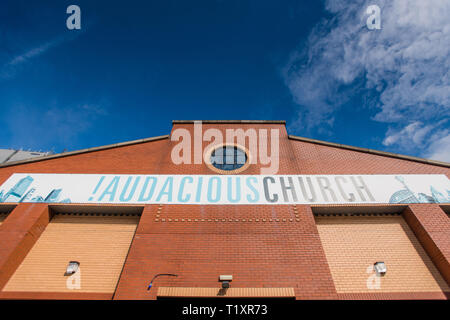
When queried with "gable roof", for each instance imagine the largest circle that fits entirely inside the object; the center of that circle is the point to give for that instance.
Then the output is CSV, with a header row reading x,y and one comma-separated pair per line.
x,y
71,153
371,151
292,137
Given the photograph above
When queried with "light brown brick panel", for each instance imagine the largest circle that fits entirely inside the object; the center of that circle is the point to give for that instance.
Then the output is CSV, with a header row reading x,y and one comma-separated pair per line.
x,y
195,292
8,295
18,233
99,243
353,243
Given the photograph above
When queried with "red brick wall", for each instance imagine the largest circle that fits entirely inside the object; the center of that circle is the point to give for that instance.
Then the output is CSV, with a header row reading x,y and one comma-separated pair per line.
x,y
133,159
262,246
286,153
320,159
431,226
296,157
270,253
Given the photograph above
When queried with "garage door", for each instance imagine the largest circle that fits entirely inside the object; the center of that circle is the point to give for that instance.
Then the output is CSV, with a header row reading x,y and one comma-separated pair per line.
x,y
100,243
353,244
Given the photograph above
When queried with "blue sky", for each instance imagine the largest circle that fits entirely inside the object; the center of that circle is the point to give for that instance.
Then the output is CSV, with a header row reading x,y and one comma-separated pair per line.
x,y
134,66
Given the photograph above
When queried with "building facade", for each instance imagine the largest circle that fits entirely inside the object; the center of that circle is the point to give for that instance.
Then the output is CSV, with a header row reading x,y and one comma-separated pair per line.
x,y
319,235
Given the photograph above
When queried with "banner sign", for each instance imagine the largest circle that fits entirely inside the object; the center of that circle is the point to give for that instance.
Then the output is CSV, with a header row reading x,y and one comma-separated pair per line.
x,y
225,190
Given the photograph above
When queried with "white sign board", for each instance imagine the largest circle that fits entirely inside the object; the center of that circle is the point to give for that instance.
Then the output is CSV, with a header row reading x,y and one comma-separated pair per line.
x,y
222,189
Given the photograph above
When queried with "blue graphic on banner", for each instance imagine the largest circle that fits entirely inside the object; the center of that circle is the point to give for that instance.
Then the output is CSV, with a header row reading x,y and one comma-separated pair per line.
x,y
407,196
20,193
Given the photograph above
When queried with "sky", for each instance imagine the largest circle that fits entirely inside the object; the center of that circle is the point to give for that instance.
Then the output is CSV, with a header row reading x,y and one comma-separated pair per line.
x,y
135,66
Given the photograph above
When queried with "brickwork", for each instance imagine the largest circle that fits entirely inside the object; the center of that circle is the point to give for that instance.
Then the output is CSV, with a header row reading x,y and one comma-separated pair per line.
x,y
395,296
320,159
99,243
431,226
229,293
251,247
354,243
18,233
55,295
133,159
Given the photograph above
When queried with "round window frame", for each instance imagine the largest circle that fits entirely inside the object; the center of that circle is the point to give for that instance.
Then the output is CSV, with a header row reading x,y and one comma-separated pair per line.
x,y
223,145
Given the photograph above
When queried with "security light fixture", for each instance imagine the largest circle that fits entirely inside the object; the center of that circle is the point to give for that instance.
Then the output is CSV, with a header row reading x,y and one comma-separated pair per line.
x,y
380,268
225,279
72,267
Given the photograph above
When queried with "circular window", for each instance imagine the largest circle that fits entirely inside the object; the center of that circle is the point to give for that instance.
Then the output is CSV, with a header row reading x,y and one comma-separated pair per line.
x,y
229,158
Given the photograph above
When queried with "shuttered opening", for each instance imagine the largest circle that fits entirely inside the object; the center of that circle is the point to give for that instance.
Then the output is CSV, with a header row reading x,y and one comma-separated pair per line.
x,y
2,217
99,242
446,209
353,244
5,209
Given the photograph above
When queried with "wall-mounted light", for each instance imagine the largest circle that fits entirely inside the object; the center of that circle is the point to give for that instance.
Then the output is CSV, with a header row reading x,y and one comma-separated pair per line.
x,y
72,267
380,268
225,279
158,275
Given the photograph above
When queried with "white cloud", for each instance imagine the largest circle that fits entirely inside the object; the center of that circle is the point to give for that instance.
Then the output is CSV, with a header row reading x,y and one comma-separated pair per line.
x,y
55,125
405,65
31,53
440,148
414,132
10,68
15,62
432,139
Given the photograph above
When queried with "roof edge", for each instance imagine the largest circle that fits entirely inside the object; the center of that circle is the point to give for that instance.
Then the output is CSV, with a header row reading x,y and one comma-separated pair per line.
x,y
372,151
138,141
71,153
231,121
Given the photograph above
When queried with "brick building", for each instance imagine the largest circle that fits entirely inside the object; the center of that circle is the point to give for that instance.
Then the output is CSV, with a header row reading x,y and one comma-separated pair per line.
x,y
300,250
